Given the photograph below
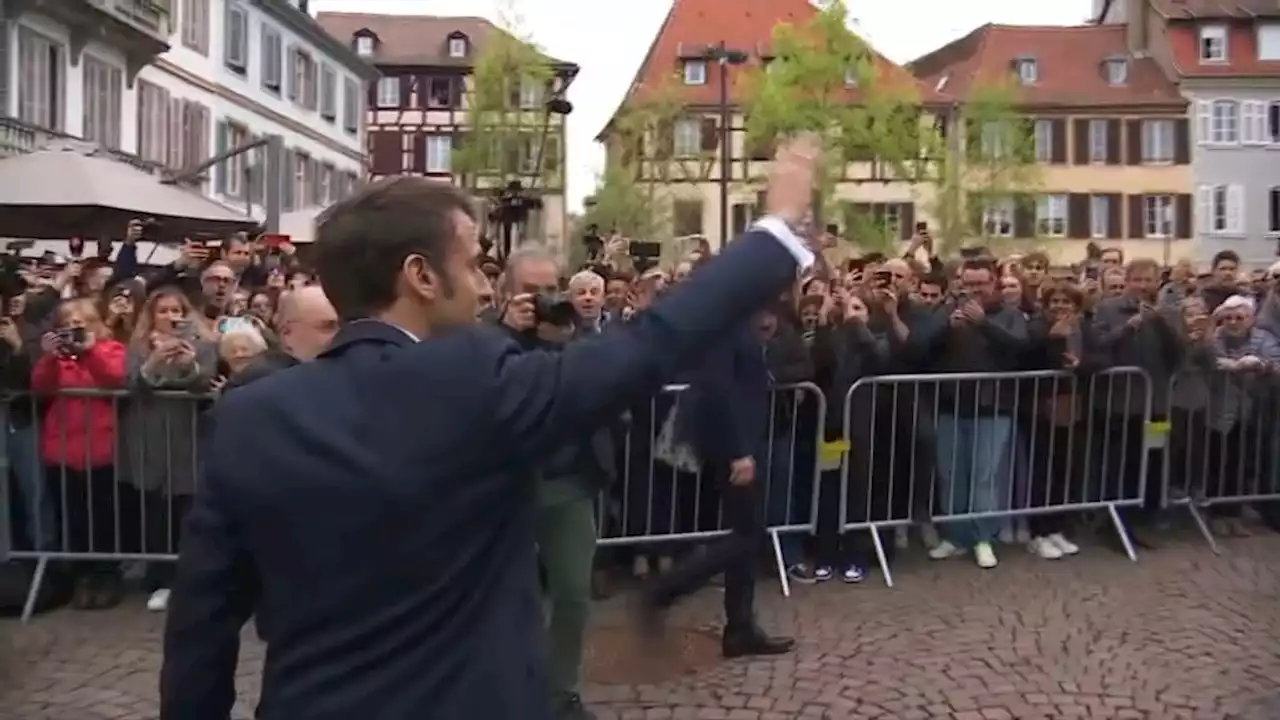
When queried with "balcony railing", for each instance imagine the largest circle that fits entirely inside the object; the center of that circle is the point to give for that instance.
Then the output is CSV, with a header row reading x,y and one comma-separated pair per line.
x,y
19,138
150,14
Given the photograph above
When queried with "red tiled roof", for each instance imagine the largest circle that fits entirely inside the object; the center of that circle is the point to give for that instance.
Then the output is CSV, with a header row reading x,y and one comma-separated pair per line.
x,y
412,39
1069,66
1215,9
1242,52
745,25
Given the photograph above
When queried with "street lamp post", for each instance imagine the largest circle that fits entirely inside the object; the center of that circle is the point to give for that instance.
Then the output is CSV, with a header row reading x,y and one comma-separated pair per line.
x,y
725,57
513,203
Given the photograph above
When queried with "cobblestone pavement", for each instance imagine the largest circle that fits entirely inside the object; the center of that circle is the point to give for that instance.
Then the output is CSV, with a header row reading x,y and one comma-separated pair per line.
x,y
1182,634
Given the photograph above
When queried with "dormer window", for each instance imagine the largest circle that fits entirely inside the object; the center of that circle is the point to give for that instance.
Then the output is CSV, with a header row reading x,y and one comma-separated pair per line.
x,y
1213,43
1028,73
1117,70
457,45
851,77
366,43
695,72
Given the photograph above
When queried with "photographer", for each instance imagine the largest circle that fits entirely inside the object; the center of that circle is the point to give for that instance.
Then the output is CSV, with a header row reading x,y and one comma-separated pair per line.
x,y
570,478
17,348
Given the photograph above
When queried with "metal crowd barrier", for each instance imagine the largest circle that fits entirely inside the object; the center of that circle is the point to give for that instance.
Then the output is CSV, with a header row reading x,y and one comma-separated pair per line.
x,y
100,489
665,494
969,451
1224,446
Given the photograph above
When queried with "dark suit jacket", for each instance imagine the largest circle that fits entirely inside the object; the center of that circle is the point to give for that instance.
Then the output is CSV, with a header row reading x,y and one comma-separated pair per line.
x,y
724,414
374,509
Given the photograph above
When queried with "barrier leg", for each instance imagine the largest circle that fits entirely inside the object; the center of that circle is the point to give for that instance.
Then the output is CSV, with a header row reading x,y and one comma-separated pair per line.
x,y
1204,527
1122,532
777,560
880,555
33,593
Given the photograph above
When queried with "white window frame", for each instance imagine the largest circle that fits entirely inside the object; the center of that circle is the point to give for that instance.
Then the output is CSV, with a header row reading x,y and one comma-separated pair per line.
x,y
42,79
993,140
687,137
153,122
530,94
328,93
352,101
1117,71
457,47
1044,140
1158,216
695,72
1212,47
438,153
233,185
1221,209
272,71
1098,141
236,54
1051,216
103,93
364,46
851,77
1157,142
1099,216
1253,118
1028,72
388,93
1224,122
1268,41
997,219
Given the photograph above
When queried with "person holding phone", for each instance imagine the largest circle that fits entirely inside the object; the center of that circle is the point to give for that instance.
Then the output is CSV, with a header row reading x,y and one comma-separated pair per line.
x,y
78,445
168,352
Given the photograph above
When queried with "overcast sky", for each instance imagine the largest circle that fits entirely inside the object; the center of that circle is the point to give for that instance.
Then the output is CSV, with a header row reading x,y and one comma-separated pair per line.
x,y
608,39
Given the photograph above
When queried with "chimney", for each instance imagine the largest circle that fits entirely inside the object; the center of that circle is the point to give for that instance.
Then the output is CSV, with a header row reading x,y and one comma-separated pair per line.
x,y
1135,19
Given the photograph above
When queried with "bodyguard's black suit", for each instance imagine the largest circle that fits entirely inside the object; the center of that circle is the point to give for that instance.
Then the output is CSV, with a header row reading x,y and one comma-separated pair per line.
x,y
374,509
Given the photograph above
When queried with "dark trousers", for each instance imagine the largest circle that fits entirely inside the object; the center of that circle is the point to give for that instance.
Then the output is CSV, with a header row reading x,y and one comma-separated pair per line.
x,y
162,518
1118,451
737,555
92,509
1058,473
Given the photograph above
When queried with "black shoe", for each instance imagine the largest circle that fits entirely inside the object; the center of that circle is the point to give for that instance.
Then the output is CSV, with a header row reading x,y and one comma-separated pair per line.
x,y
569,707
754,642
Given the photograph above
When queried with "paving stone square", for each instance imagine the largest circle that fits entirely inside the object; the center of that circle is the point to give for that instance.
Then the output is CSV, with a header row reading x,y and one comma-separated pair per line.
x,y
1181,634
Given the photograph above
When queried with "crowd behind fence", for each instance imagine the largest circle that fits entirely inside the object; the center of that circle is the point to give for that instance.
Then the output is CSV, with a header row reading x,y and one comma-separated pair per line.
x,y
100,477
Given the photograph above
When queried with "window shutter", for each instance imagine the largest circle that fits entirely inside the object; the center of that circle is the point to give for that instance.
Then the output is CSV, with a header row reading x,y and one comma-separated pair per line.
x,y
906,220
265,61
256,159
317,188
1182,141
1204,208
1080,141
224,169
1182,215
406,91
1113,142
1137,220
1024,216
1134,140
418,156
291,80
1204,121
1115,215
1235,208
1058,141
1078,216
710,134
551,155
287,191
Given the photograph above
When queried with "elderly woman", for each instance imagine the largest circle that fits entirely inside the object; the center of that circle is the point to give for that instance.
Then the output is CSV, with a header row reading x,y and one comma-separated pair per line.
x,y
169,352
1241,434
239,346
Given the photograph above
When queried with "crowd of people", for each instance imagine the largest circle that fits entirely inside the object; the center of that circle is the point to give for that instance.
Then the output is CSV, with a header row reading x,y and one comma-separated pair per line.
x,y
108,367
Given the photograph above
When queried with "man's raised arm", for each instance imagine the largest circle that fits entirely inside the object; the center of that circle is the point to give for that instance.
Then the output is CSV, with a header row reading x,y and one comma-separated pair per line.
x,y
540,398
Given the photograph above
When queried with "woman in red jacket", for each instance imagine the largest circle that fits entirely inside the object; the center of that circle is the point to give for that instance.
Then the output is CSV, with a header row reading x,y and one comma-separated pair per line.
x,y
78,444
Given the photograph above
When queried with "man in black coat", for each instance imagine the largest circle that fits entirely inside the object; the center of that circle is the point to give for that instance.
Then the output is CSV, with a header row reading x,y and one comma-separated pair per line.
x,y
374,508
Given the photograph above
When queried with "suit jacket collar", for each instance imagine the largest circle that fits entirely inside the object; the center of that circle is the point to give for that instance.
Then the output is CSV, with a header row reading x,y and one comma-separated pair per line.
x,y
367,331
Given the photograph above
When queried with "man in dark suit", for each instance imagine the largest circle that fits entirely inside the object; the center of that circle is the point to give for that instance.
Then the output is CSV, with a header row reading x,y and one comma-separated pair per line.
x,y
724,416
374,509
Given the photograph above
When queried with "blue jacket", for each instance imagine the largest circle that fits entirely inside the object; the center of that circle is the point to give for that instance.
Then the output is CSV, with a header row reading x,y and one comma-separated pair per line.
x,y
724,415
375,510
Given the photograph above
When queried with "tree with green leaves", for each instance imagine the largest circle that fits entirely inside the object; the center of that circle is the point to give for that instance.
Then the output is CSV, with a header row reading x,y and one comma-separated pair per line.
x,y
823,78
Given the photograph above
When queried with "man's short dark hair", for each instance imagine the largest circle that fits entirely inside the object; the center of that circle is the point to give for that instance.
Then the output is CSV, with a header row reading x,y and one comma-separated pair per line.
x,y
362,241
1225,256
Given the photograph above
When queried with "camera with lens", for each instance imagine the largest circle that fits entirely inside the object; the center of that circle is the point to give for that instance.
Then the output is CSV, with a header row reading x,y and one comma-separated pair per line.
x,y
71,341
554,310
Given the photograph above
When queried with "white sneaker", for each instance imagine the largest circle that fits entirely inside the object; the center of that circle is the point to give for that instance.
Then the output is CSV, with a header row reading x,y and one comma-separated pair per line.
x,y
929,535
900,537
984,555
1044,548
1065,546
159,600
944,550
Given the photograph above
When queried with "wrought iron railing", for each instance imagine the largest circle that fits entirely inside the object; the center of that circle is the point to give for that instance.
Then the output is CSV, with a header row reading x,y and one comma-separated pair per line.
x,y
18,137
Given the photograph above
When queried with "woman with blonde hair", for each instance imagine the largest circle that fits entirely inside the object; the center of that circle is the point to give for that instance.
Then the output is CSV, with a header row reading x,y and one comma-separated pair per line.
x,y
170,353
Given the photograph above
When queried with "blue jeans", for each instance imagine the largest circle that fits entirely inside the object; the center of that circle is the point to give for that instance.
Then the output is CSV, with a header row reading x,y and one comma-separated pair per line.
x,y
787,499
974,465
23,449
